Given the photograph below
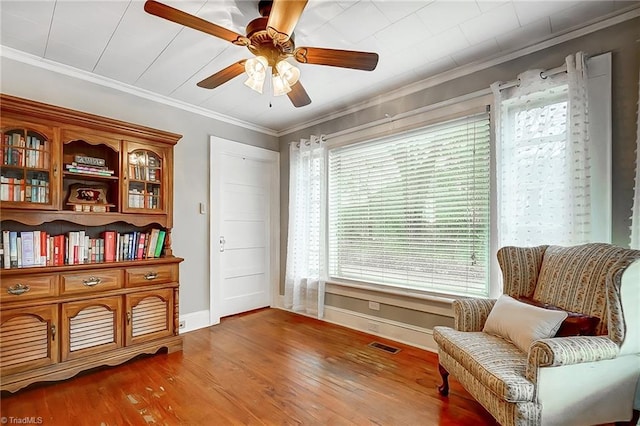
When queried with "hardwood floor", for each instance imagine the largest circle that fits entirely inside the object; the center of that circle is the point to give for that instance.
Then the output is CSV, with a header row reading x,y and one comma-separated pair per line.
x,y
267,367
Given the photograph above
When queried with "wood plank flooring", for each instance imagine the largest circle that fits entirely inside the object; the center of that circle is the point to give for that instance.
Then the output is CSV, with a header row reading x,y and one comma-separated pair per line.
x,y
266,367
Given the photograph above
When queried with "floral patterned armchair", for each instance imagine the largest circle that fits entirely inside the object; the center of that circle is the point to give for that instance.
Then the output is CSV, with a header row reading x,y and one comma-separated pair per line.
x,y
571,380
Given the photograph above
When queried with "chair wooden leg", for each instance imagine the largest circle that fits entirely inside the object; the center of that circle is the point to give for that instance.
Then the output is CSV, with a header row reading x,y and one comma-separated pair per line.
x,y
444,387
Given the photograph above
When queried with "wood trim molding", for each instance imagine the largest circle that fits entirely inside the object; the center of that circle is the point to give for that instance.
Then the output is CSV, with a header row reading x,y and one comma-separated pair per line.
x,y
54,113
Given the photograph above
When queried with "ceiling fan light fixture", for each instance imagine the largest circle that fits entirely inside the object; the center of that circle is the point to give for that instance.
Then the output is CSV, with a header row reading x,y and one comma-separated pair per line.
x,y
256,67
256,83
288,72
280,85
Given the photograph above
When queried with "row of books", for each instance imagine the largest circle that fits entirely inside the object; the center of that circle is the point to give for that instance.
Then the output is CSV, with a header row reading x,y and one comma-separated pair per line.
x,y
137,198
30,152
29,190
144,173
75,167
38,248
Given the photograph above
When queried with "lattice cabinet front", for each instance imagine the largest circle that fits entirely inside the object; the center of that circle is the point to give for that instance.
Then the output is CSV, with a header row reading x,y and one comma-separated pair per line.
x,y
149,315
91,326
28,338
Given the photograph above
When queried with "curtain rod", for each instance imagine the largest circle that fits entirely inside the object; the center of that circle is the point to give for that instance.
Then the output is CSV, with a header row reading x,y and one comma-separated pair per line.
x,y
543,75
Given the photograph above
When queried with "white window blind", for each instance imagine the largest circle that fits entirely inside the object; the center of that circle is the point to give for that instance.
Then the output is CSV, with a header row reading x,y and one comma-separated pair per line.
x,y
412,211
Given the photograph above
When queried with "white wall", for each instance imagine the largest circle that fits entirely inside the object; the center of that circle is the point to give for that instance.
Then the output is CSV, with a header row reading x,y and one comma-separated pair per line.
x,y
191,169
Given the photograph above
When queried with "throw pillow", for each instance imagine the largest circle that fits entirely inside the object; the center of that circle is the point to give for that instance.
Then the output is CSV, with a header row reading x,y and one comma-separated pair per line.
x,y
576,324
521,323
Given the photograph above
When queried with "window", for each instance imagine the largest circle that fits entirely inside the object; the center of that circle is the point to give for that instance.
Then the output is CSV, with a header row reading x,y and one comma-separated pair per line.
x,y
533,164
412,210
550,172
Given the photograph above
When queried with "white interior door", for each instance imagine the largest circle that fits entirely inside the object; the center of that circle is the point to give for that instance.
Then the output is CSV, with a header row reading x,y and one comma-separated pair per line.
x,y
244,227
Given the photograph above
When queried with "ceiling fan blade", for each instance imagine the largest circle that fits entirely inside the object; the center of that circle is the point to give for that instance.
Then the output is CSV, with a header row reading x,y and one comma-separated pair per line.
x,y
183,18
223,75
365,61
298,95
283,18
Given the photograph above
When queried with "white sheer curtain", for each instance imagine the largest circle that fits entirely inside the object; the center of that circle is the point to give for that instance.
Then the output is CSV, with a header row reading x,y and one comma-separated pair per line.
x,y
543,164
635,215
305,274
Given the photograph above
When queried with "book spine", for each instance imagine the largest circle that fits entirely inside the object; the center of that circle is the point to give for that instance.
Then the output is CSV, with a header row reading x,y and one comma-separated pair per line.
x,y
44,239
19,249
7,249
28,254
100,244
140,251
152,243
37,247
118,246
109,246
50,250
160,244
13,249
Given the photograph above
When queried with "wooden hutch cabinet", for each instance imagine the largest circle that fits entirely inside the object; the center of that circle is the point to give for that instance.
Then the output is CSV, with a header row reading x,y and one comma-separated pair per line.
x,y
88,276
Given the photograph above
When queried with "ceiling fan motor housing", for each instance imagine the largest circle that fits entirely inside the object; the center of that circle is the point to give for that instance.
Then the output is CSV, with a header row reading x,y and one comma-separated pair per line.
x,y
261,44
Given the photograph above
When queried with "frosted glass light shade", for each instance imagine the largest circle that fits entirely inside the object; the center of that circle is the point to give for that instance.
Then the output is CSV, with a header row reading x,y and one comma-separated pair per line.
x,y
256,69
290,73
256,66
280,86
256,83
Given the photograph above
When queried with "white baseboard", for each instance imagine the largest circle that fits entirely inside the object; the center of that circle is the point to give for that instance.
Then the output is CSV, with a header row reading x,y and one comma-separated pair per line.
x,y
194,321
393,330
279,302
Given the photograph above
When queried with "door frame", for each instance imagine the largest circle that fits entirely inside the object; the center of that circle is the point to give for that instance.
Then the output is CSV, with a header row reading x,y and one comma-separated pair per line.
x,y
217,147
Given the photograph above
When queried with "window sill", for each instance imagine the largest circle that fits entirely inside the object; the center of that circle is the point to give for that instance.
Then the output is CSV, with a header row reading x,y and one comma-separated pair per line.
x,y
410,299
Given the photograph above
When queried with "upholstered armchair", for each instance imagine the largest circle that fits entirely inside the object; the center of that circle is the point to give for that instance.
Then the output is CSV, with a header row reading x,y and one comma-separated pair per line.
x,y
508,353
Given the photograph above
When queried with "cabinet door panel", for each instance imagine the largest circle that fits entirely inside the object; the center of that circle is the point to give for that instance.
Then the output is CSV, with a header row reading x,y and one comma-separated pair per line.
x,y
146,187
29,170
28,339
149,315
91,326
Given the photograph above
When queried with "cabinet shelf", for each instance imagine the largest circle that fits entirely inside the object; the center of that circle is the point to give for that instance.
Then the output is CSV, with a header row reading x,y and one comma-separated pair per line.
x,y
29,169
33,218
87,176
78,267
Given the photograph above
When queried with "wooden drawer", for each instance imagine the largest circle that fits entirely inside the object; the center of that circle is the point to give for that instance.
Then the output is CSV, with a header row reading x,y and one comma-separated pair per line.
x,y
152,274
87,281
27,287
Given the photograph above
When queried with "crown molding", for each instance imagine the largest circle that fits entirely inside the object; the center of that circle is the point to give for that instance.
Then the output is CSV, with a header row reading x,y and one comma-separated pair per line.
x,y
49,65
591,26
461,71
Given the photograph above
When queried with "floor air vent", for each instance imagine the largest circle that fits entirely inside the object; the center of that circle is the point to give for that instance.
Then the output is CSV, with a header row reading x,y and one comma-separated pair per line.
x,y
384,347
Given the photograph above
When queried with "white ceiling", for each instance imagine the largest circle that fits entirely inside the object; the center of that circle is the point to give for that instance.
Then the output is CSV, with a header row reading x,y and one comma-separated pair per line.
x,y
415,40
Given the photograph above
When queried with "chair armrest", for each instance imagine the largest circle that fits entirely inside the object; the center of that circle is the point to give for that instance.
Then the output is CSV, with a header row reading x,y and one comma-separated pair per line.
x,y
558,351
471,314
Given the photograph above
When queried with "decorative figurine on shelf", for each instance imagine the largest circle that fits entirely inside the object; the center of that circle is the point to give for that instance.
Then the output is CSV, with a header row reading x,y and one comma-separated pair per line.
x,y
88,198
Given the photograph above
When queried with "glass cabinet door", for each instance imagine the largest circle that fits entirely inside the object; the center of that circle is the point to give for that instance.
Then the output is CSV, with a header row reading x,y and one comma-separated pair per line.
x,y
26,175
145,183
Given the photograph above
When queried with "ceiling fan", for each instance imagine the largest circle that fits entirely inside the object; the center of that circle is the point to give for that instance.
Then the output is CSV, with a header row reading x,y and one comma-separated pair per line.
x,y
271,40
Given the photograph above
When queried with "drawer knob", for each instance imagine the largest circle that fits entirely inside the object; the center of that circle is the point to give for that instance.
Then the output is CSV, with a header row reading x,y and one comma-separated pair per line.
x,y
150,276
92,281
18,289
